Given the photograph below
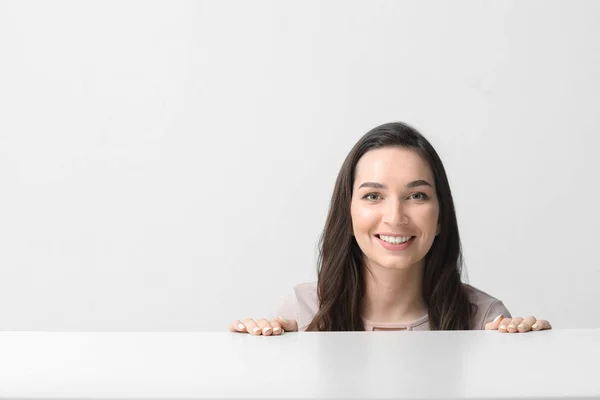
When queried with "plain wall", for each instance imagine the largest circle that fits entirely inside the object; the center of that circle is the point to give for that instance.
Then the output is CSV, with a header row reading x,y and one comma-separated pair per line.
x,y
168,166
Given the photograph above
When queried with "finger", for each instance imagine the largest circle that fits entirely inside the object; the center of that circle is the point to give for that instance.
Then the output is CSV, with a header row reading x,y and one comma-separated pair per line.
x,y
252,327
541,324
525,325
288,325
493,325
276,324
512,326
237,326
265,326
503,327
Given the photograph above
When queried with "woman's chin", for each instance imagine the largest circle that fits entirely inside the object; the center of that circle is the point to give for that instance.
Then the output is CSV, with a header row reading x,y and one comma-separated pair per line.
x,y
395,265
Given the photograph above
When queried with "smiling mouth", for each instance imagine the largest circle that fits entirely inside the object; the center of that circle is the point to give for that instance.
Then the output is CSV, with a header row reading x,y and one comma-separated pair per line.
x,y
395,239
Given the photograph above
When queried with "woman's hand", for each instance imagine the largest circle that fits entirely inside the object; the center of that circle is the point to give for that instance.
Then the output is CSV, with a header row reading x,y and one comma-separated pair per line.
x,y
263,326
517,324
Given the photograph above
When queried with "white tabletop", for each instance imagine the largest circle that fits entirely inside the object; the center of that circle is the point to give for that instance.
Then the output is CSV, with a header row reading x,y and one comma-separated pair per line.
x,y
352,365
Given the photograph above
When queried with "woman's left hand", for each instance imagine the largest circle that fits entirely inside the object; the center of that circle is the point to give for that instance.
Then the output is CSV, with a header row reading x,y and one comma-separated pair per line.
x,y
517,324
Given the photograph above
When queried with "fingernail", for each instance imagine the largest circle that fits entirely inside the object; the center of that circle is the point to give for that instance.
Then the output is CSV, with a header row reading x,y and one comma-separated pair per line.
x,y
284,320
512,327
535,326
256,329
502,328
241,326
522,326
276,329
267,329
497,318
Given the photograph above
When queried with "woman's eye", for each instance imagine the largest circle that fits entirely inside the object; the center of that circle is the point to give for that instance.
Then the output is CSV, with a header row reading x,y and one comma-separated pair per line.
x,y
371,197
420,196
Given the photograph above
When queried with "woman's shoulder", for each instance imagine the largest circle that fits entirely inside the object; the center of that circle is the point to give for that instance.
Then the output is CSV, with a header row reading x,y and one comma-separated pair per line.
x,y
300,304
487,306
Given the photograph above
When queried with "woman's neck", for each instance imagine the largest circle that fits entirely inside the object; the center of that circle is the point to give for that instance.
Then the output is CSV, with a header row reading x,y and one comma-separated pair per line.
x,y
393,295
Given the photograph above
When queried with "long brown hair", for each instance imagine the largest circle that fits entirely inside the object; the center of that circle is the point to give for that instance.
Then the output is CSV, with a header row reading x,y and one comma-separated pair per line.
x,y
340,285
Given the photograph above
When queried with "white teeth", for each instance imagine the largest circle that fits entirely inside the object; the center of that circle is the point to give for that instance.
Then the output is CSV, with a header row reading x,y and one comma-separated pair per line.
x,y
395,239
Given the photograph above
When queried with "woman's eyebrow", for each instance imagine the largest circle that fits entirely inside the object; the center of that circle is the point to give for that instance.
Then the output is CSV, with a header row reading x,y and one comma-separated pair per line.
x,y
409,185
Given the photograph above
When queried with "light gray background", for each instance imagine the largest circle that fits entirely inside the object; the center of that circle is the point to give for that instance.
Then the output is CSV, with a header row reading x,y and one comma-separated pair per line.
x,y
168,165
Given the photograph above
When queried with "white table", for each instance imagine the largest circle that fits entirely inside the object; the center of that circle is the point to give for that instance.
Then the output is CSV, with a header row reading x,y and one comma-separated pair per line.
x,y
349,365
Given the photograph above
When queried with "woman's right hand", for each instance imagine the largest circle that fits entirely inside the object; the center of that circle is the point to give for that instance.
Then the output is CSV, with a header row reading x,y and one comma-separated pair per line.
x,y
263,326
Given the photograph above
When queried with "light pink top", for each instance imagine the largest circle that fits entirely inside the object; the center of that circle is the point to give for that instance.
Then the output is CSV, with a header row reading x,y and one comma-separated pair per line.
x,y
302,305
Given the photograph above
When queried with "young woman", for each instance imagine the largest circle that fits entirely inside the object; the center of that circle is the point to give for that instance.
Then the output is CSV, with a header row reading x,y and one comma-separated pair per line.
x,y
390,254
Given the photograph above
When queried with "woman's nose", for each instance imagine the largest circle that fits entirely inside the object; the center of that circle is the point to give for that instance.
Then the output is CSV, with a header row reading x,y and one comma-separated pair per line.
x,y
395,215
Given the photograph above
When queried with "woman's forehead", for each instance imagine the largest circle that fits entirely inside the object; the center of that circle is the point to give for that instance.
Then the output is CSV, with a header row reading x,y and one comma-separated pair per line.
x,y
393,165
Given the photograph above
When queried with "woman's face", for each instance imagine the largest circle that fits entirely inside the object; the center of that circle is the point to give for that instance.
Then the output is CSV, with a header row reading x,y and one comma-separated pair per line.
x,y
394,208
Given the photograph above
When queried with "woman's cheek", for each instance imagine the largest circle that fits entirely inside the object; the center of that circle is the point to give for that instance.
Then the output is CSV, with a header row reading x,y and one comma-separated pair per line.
x,y
429,215
366,215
